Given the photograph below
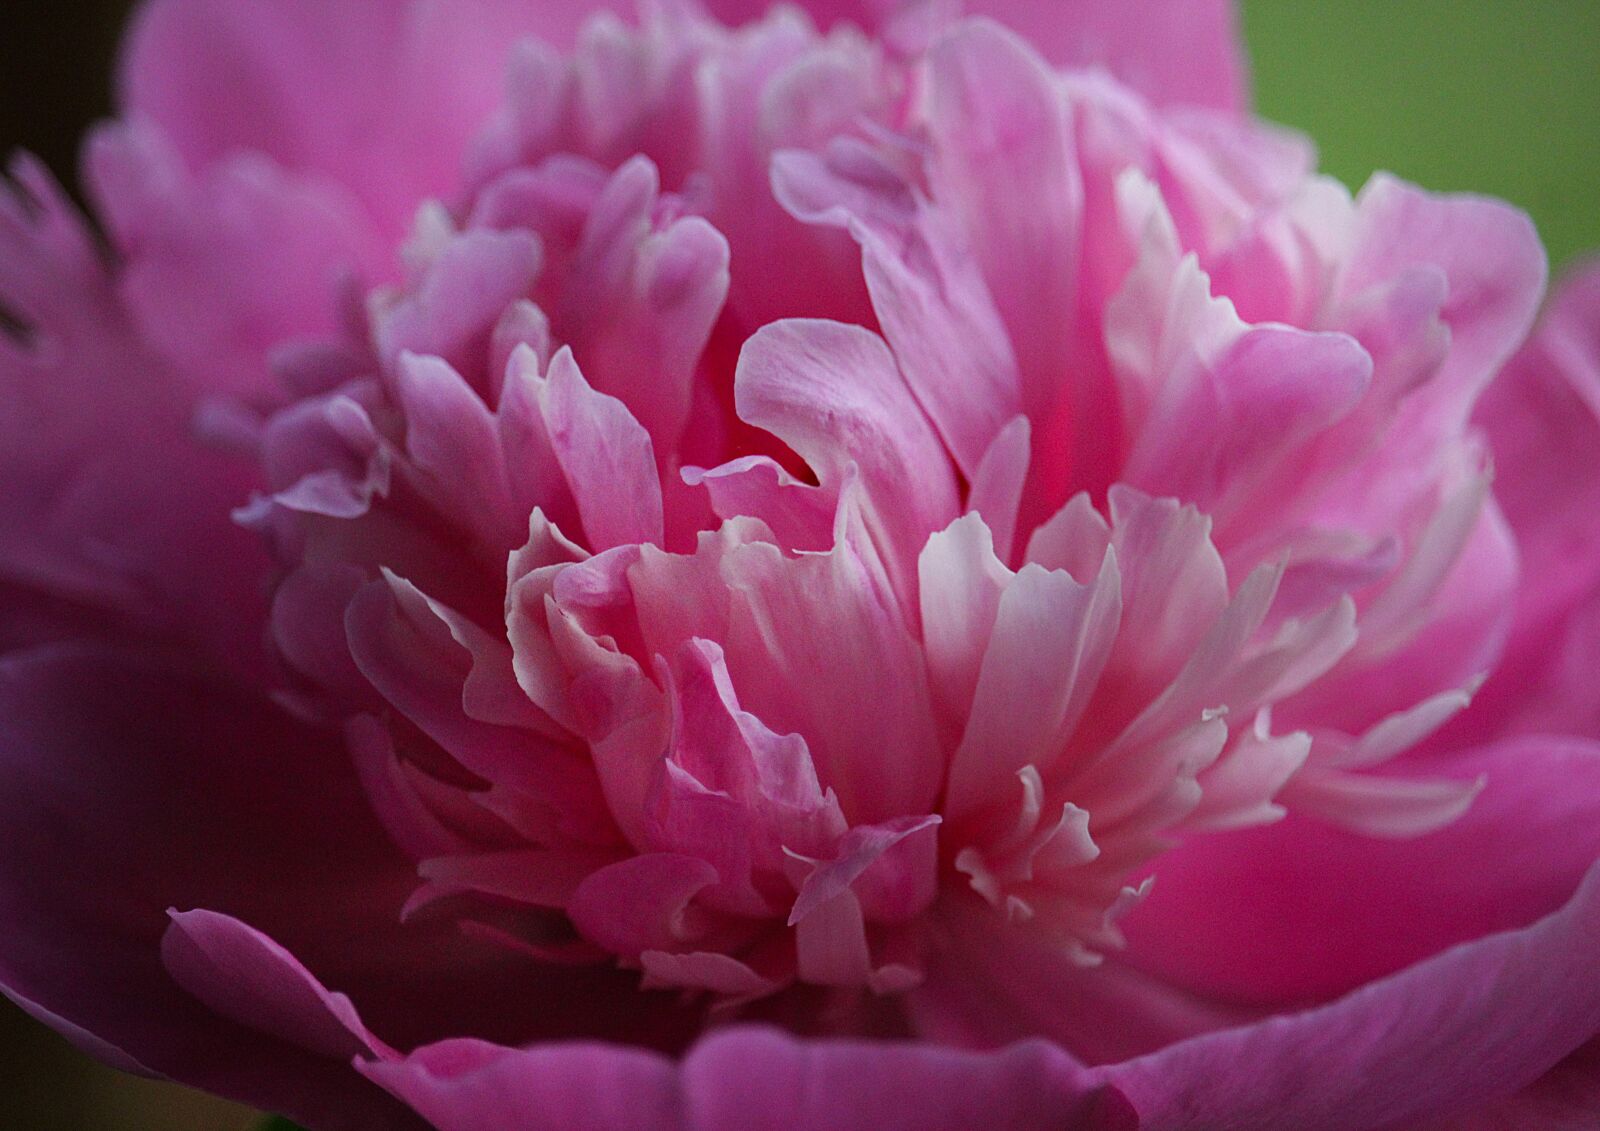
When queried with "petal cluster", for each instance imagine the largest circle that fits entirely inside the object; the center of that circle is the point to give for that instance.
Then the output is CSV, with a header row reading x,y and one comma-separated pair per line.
x,y
877,533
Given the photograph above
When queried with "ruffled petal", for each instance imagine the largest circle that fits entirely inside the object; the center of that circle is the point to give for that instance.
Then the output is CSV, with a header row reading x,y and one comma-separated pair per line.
x,y
116,511
222,266
833,393
1171,51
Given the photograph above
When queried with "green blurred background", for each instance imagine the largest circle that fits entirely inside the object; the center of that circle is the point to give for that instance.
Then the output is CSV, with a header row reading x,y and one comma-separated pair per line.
x,y
1492,96
1483,95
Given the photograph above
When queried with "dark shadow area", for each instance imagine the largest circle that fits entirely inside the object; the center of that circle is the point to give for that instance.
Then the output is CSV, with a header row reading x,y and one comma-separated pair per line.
x,y
56,61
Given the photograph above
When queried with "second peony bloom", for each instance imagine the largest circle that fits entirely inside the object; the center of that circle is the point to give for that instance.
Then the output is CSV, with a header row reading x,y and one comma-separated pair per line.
x,y
865,568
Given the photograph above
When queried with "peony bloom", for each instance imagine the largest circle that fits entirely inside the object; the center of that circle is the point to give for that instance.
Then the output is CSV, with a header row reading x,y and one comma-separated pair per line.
x,y
702,569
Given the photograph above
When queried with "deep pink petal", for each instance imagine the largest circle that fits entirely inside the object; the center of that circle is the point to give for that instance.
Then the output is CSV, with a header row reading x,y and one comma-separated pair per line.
x,y
121,799
120,806
751,1080
1464,1028
1301,911
248,978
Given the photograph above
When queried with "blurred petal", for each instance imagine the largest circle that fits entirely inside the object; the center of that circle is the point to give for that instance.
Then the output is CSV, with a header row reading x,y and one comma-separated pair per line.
x,y
1542,415
1460,1029
750,1080
380,98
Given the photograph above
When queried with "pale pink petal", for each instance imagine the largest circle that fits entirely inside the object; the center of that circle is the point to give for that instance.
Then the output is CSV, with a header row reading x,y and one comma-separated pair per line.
x,y
1003,160
640,299
463,291
827,623
606,456
1491,259
961,582
927,292
455,449
998,481
833,394
1051,640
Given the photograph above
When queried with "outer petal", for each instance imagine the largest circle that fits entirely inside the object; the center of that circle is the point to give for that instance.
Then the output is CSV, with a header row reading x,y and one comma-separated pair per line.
x,y
1465,1028
469,1085
134,787
1564,1099
248,978
1184,51
130,788
382,98
1542,415
1168,50
111,504
751,1080
1300,910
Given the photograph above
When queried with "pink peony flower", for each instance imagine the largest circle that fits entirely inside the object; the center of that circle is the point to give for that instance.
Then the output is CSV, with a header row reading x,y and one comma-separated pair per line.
x,y
865,567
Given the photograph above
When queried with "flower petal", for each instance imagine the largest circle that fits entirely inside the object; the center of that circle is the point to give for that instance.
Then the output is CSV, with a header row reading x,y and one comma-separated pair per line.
x,y
751,1079
118,805
1301,910
833,393
380,98
1464,1028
